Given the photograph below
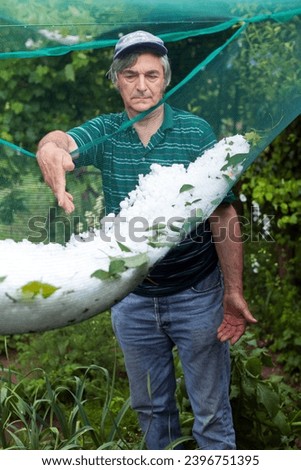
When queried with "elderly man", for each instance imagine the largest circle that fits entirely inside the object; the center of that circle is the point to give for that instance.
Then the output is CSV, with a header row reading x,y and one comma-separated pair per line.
x,y
193,299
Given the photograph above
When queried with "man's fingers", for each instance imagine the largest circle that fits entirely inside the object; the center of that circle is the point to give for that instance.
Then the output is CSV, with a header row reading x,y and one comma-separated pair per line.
x,y
69,196
231,328
249,317
58,184
54,176
225,331
231,334
54,160
66,203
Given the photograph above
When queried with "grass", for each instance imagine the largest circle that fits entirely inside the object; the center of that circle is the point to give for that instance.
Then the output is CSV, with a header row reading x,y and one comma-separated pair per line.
x,y
59,417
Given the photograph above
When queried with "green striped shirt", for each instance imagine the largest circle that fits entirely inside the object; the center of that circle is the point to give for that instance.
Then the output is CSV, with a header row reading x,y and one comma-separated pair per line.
x,y
122,157
181,138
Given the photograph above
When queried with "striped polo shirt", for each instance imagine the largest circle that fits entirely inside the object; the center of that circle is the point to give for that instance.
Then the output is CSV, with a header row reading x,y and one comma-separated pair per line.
x,y
121,158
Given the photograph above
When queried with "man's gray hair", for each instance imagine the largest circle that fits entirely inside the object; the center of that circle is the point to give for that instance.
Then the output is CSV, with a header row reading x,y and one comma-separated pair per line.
x,y
118,65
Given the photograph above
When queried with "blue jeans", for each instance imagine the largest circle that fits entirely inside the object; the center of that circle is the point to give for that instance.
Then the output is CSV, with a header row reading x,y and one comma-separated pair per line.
x,y
148,329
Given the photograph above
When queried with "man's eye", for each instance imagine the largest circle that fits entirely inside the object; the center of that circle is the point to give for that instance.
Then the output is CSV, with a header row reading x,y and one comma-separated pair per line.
x,y
129,76
152,76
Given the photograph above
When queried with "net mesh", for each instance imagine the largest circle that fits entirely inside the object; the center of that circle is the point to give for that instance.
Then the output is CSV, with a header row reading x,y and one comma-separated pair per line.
x,y
235,63
241,74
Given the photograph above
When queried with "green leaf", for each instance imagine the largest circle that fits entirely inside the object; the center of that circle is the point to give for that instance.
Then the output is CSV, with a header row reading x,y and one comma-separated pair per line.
x,y
101,275
3,393
186,187
248,387
34,288
157,227
136,261
297,341
2,278
193,202
69,73
266,360
17,107
155,244
282,423
254,366
235,160
199,213
123,247
227,178
252,137
216,202
269,196
117,266
192,222
268,398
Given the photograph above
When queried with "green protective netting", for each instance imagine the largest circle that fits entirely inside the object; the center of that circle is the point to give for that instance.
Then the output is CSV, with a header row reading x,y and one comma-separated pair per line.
x,y
235,63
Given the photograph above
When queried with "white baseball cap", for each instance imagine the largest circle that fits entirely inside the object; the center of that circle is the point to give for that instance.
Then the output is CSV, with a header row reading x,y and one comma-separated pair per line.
x,y
139,40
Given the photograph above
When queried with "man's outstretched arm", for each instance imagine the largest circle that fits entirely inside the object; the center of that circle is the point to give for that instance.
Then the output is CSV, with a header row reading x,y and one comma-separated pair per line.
x,y
226,233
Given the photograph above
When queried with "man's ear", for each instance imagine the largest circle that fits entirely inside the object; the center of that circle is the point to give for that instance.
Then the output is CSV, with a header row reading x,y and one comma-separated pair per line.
x,y
116,84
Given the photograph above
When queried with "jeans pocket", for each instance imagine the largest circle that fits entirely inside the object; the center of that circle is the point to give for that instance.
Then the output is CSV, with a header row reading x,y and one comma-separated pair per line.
x,y
210,283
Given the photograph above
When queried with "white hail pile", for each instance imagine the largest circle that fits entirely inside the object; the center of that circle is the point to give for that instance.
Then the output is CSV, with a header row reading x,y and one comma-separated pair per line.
x,y
163,199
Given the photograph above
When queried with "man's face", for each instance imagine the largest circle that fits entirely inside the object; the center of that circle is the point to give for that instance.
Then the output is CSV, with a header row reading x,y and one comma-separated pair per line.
x,y
142,85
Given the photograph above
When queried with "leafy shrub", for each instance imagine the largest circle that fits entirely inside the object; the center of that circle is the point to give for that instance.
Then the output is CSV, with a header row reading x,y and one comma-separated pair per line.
x,y
275,302
266,411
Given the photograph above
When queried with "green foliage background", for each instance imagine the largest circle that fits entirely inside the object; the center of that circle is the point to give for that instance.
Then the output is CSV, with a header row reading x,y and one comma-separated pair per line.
x,y
70,385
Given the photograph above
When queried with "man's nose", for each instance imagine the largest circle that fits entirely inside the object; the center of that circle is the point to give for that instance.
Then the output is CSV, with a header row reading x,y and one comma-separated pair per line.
x,y
141,83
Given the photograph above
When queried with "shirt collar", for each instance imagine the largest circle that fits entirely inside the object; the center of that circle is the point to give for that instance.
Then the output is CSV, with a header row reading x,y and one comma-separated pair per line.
x,y
167,120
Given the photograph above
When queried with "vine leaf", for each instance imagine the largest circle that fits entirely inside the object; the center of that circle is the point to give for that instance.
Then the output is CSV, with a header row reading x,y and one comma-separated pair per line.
x,y
234,160
102,275
158,244
119,265
136,261
159,227
186,187
217,201
191,222
123,247
34,288
193,202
